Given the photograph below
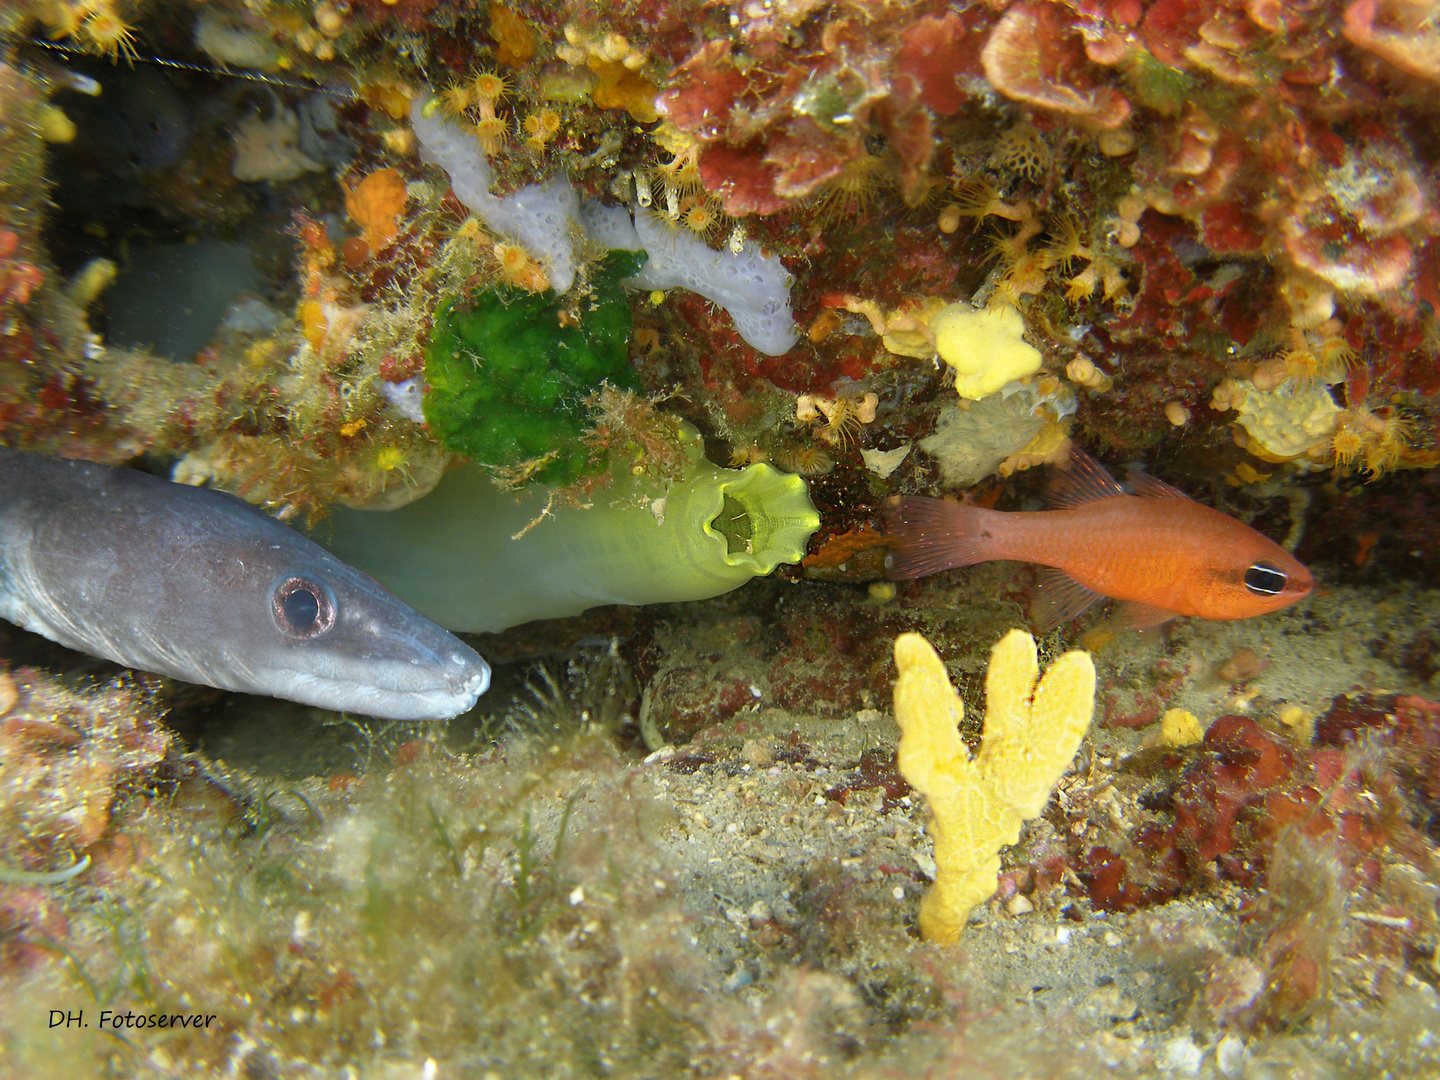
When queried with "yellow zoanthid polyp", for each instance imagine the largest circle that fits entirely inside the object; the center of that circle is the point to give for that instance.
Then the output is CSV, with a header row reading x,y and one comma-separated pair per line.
x,y
105,32
489,86
977,805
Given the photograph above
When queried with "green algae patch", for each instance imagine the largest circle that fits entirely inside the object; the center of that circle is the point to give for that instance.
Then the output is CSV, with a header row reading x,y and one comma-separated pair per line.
x,y
509,378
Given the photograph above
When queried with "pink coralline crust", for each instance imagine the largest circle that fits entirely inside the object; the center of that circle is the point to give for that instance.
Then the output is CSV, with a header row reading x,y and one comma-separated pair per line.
x,y
1241,41
1377,183
1333,249
1229,228
1405,34
1108,28
757,151
934,53
1295,158
804,157
1243,788
1123,14
1280,16
741,178
18,279
1035,54
787,115
1171,306
1193,193
695,697
1241,764
828,688
1408,724
704,91
765,25
1427,275
726,360
911,136
408,13
667,27
1171,26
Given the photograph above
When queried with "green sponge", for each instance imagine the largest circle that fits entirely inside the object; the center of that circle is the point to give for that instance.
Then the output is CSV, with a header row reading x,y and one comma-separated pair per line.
x,y
508,380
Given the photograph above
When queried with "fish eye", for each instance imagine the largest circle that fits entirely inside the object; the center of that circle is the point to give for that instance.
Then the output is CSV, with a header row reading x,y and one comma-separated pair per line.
x,y
1265,579
303,608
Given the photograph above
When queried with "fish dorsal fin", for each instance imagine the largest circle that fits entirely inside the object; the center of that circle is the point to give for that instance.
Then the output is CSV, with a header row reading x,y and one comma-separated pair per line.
x,y
1081,480
1150,487
1059,600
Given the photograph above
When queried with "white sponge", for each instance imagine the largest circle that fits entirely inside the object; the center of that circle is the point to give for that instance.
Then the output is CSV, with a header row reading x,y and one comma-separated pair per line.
x,y
753,288
538,217
547,218
609,226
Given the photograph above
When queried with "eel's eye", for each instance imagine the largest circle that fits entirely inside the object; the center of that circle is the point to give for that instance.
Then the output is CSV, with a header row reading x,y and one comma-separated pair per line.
x,y
1265,579
303,608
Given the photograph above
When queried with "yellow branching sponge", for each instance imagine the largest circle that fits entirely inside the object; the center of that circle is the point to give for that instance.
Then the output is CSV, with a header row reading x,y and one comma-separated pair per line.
x,y
977,806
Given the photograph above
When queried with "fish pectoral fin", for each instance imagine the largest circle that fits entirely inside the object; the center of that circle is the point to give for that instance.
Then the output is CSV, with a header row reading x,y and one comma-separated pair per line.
x,y
1060,599
1140,616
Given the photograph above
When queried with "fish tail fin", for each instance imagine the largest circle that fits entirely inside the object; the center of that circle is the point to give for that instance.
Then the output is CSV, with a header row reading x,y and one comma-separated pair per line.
x,y
932,535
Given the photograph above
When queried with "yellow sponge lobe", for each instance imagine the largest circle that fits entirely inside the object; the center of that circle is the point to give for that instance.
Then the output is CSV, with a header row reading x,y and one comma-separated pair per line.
x,y
978,805
986,347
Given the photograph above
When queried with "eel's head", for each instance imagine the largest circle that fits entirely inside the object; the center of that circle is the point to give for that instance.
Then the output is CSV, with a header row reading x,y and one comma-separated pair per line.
x,y
195,584
290,620
336,639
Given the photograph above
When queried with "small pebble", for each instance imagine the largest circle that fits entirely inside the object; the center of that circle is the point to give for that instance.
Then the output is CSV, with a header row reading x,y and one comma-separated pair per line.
x,y
736,980
1240,666
1116,143
1181,1055
1291,716
756,752
1230,1057
1019,904
767,936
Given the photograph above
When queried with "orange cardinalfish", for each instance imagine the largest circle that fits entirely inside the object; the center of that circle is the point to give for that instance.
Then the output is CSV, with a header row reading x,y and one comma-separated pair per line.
x,y
1158,550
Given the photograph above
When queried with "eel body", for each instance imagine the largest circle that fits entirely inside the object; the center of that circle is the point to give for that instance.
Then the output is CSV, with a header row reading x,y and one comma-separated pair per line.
x,y
199,585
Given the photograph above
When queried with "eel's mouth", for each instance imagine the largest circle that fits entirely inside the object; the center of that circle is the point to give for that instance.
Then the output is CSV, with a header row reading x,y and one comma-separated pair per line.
x,y
437,702
408,687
